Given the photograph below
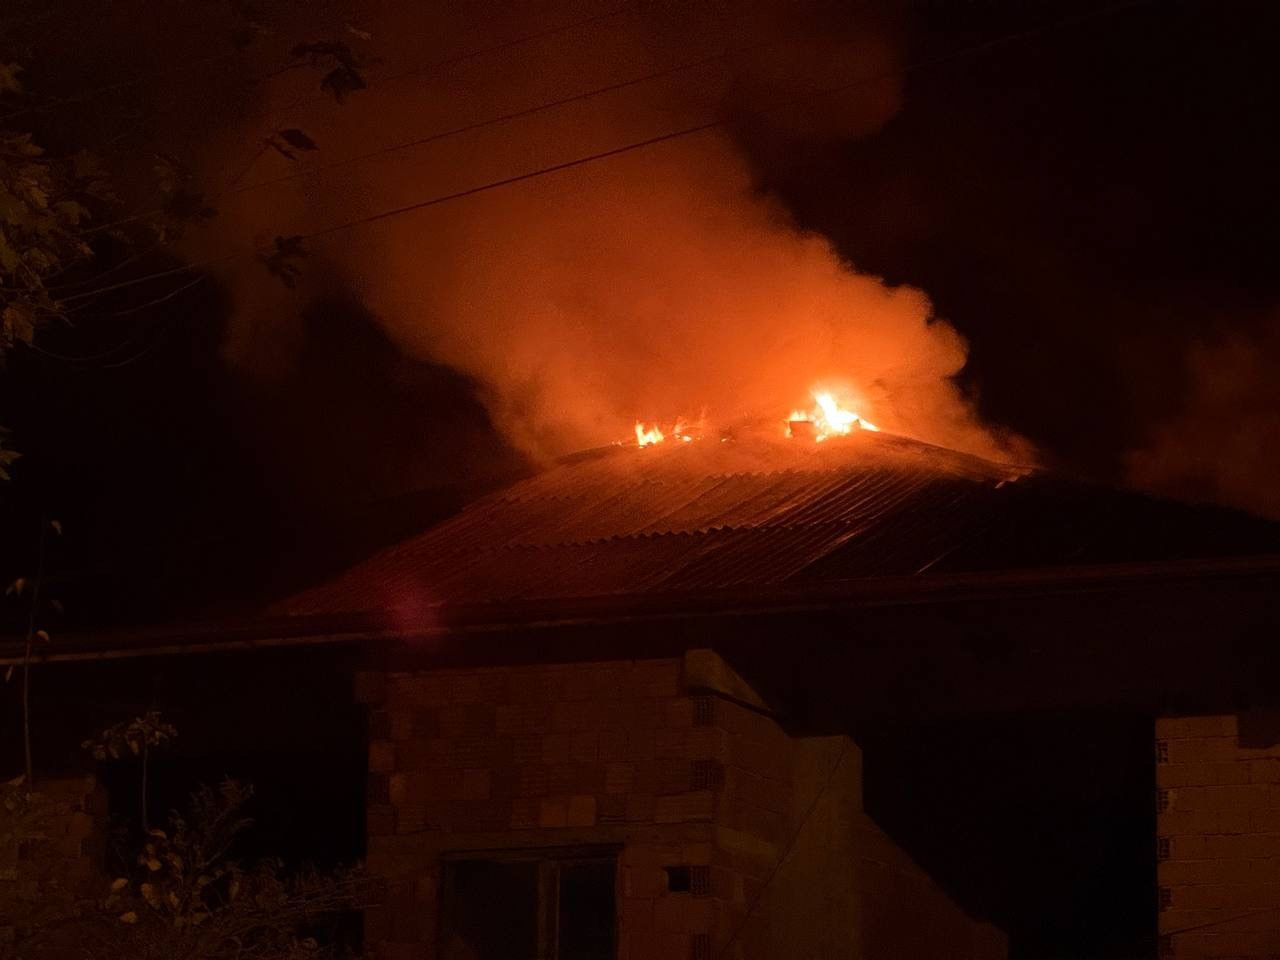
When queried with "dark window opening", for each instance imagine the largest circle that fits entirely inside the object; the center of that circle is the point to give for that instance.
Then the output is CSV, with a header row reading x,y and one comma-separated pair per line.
x,y
530,905
587,912
678,879
693,880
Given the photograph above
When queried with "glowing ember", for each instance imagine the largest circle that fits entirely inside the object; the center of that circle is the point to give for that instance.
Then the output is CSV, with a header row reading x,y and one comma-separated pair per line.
x,y
828,418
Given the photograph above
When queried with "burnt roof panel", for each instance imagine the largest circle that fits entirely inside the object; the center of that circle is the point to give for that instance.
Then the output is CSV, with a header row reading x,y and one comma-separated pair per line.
x,y
706,516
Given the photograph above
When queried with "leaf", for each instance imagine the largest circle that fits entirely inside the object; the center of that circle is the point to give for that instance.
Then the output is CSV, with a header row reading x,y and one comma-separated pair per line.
x,y
357,32
19,324
23,146
319,49
57,526
129,917
283,262
279,148
9,259
340,82
42,635
153,864
16,587
71,212
119,883
85,166
296,138
242,36
8,674
9,82
184,204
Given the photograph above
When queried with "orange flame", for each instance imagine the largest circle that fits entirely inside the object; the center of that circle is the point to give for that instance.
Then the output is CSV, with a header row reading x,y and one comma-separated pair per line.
x,y
682,430
646,435
826,418
829,419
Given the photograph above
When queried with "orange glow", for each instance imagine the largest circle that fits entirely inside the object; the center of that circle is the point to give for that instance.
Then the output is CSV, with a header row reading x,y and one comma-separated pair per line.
x,y
645,435
682,430
829,418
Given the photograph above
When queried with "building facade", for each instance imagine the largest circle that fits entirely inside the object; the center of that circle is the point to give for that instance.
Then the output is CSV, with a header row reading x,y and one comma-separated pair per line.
x,y
634,809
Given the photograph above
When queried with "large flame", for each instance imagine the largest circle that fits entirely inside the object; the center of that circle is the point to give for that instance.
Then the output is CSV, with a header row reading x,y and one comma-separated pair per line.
x,y
682,430
647,434
829,418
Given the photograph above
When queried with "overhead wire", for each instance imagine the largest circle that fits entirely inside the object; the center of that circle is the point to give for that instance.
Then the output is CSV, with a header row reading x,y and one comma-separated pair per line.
x,y
88,96
319,169
420,70
630,147
681,133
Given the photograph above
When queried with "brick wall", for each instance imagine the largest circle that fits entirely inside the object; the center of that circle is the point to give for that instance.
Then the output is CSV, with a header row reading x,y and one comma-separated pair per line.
x,y
675,762
1218,838
56,864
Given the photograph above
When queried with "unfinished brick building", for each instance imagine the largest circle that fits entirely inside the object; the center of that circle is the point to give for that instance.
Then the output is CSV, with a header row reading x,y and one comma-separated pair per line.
x,y
1219,835
638,808
614,710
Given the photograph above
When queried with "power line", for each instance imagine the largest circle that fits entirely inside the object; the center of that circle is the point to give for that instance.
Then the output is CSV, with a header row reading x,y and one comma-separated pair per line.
x,y
416,71
189,76
712,124
482,51
88,96
437,65
488,122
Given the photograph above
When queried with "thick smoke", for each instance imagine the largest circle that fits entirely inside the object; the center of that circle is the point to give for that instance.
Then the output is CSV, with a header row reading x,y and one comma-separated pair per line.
x,y
652,285
1224,445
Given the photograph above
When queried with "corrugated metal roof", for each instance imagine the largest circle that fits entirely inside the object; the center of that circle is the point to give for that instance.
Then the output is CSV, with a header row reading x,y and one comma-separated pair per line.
x,y
706,516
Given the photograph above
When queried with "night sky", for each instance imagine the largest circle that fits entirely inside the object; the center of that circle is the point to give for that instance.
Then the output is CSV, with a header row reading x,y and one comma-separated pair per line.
x,y
1093,207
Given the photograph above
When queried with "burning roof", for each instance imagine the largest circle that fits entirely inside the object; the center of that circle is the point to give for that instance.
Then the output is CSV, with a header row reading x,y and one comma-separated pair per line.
x,y
760,512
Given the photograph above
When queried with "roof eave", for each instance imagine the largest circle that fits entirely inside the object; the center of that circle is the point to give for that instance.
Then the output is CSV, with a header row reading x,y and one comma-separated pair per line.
x,y
445,621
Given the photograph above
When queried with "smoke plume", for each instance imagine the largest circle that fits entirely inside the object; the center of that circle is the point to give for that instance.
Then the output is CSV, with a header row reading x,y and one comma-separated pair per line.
x,y
1224,445
652,285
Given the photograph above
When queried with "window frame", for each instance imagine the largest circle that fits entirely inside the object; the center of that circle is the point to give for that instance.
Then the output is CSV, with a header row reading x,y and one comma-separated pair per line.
x,y
550,861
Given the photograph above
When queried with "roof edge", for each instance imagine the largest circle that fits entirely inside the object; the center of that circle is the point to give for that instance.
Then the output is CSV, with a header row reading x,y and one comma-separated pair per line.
x,y
261,633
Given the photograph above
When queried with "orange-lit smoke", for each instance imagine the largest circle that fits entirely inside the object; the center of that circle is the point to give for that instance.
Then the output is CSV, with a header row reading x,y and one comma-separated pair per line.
x,y
640,287
1224,444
